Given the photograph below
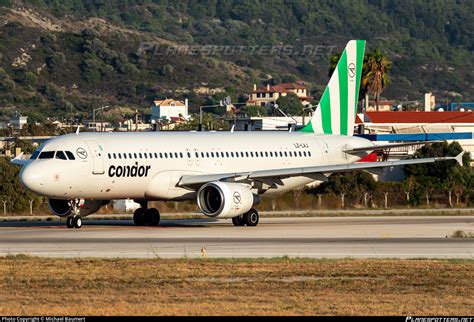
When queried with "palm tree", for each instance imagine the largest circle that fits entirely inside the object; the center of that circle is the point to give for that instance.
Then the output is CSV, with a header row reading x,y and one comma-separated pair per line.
x,y
375,74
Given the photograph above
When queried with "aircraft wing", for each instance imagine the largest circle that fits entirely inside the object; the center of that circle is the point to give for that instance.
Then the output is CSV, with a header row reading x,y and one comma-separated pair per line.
x,y
386,146
316,172
18,160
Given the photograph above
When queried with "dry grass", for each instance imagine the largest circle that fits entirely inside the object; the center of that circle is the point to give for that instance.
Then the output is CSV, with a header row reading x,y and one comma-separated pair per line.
x,y
37,286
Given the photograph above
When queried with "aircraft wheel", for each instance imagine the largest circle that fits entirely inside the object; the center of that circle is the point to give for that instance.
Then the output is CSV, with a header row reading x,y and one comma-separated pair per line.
x,y
69,223
77,222
251,218
139,217
152,217
238,221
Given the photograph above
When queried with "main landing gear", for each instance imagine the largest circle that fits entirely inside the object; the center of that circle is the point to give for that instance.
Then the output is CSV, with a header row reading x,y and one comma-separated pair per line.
x,y
146,217
250,218
74,220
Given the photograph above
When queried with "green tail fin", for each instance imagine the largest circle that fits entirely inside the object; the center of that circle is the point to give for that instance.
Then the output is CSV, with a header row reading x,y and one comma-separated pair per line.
x,y
336,110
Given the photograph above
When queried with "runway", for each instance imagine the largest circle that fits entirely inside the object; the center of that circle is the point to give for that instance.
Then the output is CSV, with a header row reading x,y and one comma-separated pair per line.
x,y
343,237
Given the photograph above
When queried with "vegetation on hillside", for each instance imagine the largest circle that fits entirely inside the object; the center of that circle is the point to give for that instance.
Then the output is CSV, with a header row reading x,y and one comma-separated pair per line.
x,y
82,54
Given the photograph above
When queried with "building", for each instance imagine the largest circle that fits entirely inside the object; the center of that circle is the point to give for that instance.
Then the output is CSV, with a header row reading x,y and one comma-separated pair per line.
x,y
98,126
268,95
169,108
18,121
268,123
384,105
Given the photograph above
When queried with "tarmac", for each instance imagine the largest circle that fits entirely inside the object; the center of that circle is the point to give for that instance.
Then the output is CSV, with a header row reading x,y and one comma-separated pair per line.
x,y
314,237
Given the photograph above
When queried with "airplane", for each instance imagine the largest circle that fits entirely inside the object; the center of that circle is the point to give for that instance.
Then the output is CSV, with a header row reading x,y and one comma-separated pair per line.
x,y
225,172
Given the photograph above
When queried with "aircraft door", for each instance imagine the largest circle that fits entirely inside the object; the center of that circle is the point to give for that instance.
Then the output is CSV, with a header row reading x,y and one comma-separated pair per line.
x,y
189,157
97,157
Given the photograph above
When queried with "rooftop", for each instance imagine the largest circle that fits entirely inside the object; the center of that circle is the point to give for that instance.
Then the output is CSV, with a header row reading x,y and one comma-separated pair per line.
x,y
418,117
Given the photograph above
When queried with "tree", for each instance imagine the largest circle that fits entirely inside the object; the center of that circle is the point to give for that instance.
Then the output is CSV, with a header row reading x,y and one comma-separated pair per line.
x,y
375,74
290,104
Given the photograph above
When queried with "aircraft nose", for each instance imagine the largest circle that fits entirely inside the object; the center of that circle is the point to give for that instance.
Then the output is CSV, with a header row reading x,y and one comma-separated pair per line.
x,y
30,178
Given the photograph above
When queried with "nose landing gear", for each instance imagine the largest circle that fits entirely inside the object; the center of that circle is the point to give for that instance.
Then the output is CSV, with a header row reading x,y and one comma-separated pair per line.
x,y
74,220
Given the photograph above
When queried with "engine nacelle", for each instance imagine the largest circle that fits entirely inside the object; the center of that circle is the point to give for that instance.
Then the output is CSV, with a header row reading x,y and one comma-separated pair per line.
x,y
225,199
63,208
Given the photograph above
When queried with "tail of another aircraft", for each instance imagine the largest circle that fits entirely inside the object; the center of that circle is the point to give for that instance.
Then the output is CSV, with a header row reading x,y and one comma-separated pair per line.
x,y
336,111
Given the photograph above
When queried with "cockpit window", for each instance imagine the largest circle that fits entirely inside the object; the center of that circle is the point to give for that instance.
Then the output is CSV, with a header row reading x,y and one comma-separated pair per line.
x,y
60,155
46,155
35,155
70,155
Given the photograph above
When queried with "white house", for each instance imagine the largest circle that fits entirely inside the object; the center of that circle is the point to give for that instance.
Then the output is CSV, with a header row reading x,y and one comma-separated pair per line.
x,y
17,121
169,108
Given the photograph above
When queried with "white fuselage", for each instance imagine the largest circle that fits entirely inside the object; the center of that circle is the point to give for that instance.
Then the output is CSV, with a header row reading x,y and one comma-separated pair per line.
x,y
149,165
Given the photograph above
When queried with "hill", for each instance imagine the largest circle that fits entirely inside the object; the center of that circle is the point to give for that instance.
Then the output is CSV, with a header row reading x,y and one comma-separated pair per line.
x,y
64,58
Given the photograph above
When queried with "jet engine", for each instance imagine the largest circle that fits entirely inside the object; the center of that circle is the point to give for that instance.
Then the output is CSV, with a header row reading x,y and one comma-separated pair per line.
x,y
225,199
63,208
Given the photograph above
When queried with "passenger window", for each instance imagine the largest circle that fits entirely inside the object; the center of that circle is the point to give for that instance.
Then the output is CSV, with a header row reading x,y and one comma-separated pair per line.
x,y
156,156
60,155
119,155
189,155
166,155
144,155
108,154
304,153
176,155
125,155
46,155
207,154
271,154
70,155
266,154
197,154
241,154
309,153
247,154
300,154
115,156
251,154
161,155
290,153
286,154
232,154
202,154
171,155
135,155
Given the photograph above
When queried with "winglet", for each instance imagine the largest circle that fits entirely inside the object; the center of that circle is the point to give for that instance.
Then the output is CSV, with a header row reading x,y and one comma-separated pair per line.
x,y
77,131
458,158
18,160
